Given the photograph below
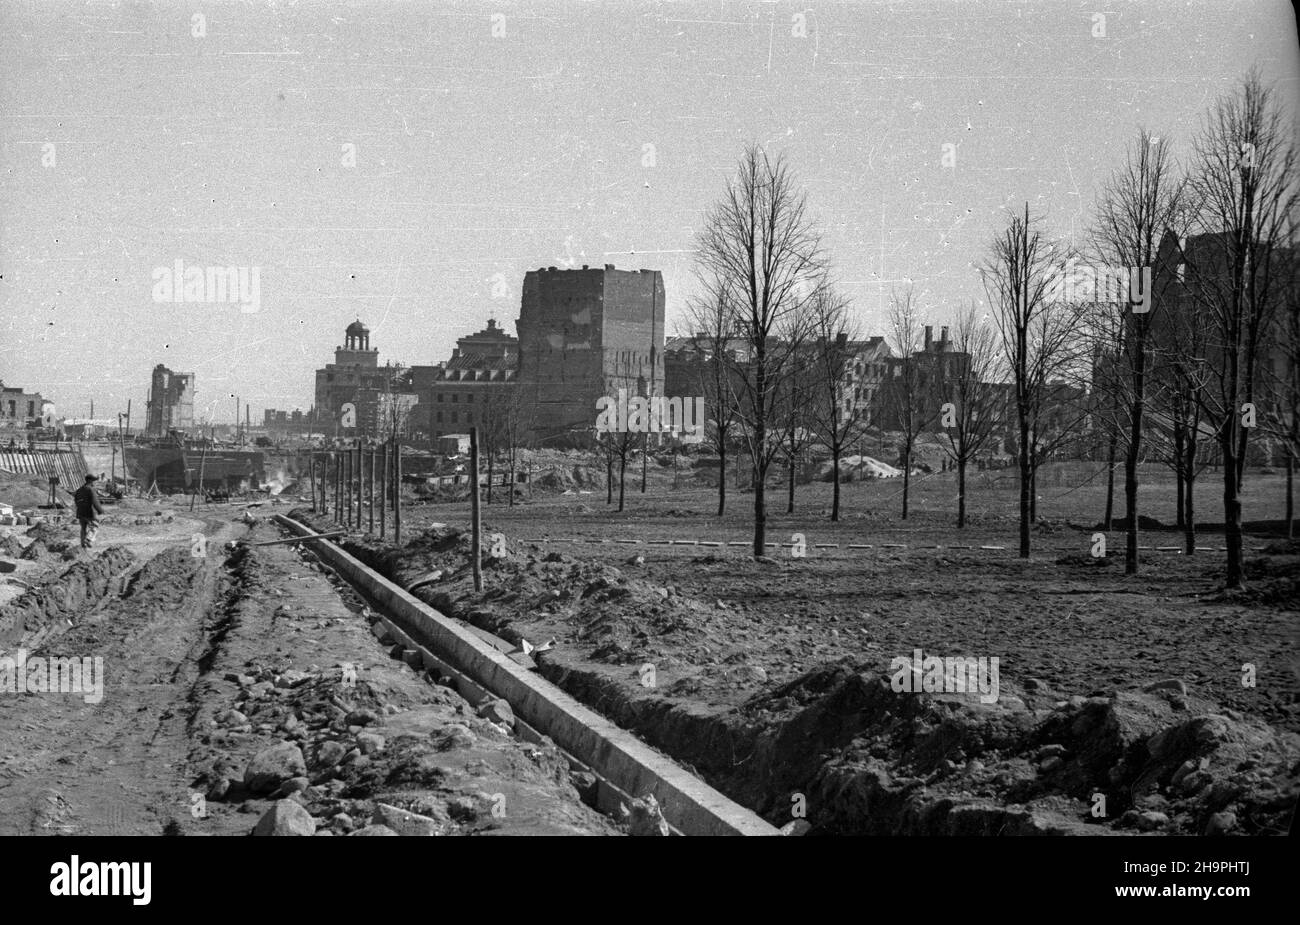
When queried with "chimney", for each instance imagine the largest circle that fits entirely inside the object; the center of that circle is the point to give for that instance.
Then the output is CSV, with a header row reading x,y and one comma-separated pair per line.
x,y
943,338
609,266
929,337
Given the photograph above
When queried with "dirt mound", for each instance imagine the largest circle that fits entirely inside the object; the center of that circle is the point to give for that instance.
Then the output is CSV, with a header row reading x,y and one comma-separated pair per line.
x,y
23,491
11,546
564,478
858,468
51,534
35,614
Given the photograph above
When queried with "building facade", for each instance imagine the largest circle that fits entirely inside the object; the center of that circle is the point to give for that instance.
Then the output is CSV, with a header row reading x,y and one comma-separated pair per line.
x,y
454,395
19,408
355,377
583,334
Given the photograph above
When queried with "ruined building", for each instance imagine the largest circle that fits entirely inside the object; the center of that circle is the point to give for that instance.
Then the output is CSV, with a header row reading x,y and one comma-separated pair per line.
x,y
171,402
584,334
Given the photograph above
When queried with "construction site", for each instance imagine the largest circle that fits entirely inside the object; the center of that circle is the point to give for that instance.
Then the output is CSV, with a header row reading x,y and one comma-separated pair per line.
x,y
326,660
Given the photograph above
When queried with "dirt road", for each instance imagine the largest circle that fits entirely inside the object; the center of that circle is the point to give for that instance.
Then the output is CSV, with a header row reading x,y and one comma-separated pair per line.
x,y
214,663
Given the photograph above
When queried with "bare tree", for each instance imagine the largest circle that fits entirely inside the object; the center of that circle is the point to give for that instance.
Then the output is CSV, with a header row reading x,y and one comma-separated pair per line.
x,y
835,339
969,414
1286,414
1245,184
1039,343
1140,204
501,431
711,339
792,422
910,392
622,444
759,253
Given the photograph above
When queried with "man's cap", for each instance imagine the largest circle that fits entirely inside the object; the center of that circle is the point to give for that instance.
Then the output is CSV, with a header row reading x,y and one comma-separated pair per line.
x,y
92,478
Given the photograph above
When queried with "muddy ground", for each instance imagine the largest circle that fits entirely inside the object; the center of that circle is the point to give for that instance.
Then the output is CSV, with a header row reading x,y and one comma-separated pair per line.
x,y
1154,702
243,691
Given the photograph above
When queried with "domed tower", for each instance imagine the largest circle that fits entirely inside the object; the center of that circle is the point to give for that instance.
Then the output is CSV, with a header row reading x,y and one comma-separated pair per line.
x,y
356,336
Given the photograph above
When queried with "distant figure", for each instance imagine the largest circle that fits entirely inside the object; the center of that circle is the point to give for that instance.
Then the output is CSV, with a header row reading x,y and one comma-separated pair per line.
x,y
87,509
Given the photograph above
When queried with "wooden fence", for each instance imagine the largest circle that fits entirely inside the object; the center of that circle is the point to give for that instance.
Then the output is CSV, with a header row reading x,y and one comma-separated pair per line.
x,y
66,463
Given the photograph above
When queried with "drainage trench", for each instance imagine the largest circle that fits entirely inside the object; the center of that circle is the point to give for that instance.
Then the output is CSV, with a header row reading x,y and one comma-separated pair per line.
x,y
624,765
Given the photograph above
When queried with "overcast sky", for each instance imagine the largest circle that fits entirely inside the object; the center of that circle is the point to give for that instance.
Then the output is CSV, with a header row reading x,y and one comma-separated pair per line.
x,y
558,133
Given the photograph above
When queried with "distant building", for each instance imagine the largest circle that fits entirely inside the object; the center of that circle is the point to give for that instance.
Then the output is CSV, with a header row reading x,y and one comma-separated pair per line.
x,y
453,394
864,373
283,423
355,377
171,402
934,365
19,408
586,333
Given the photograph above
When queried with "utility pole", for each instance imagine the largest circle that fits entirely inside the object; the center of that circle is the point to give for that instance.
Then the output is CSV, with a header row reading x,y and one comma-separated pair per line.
x,y
383,490
476,525
397,491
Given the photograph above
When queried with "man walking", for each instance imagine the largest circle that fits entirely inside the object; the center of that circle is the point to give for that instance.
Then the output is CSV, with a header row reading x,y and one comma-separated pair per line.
x,y
87,507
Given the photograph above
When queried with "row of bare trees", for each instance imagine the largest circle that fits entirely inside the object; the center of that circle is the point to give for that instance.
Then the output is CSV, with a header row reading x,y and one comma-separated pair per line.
x,y
1189,358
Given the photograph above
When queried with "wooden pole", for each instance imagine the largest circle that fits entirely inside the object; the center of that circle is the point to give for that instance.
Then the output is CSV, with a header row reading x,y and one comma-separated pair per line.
x,y
371,488
383,491
397,492
347,486
361,484
475,514
311,474
338,488
203,456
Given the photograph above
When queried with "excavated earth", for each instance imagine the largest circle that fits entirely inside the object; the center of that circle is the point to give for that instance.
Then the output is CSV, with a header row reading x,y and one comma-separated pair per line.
x,y
801,722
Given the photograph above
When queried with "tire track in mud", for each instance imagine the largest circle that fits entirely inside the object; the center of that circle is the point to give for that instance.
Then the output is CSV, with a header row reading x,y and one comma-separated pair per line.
x,y
74,764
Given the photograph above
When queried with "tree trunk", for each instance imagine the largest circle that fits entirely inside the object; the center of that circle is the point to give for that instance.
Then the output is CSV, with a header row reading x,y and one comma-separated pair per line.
x,y
1108,520
622,478
835,482
1189,514
1131,454
489,491
1231,505
1290,494
760,508
1178,470
722,478
513,482
1025,476
961,492
789,504
609,478
907,477
645,459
